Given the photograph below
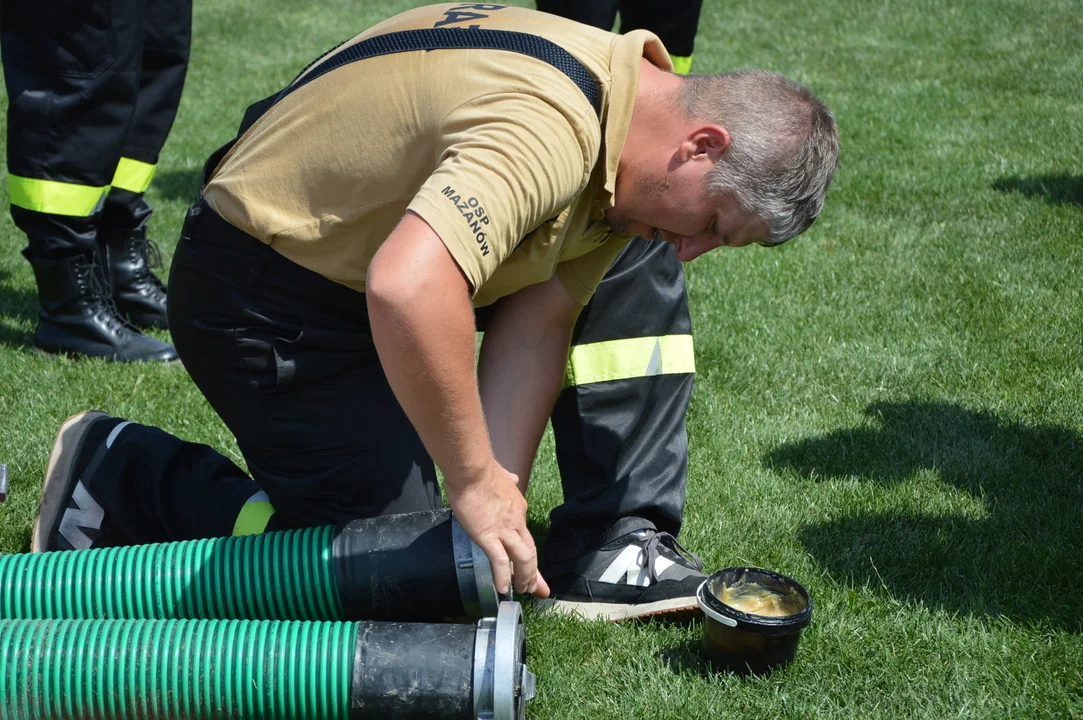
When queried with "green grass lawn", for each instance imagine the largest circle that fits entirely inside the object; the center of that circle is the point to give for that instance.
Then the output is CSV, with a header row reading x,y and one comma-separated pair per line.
x,y
889,409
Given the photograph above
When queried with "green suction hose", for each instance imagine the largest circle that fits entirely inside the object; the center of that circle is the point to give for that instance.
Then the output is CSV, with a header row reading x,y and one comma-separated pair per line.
x,y
414,566
275,576
263,670
92,669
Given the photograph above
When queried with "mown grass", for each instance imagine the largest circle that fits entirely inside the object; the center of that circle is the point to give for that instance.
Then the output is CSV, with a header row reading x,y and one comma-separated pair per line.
x,y
888,409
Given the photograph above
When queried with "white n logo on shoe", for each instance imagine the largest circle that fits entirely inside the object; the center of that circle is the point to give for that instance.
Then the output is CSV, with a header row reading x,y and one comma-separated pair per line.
x,y
630,567
89,516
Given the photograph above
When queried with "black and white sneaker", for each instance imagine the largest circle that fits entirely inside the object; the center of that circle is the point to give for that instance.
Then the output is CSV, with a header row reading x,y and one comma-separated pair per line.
x,y
69,516
639,575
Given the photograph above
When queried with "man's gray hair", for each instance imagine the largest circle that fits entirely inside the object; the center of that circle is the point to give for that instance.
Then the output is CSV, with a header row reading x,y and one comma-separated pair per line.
x,y
784,145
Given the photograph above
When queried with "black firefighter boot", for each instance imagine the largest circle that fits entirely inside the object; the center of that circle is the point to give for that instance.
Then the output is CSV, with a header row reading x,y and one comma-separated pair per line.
x,y
137,292
78,317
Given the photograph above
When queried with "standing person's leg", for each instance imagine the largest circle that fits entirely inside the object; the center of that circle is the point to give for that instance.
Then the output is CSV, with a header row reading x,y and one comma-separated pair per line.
x,y
675,22
137,292
621,414
619,423
622,446
72,74
620,419
285,357
599,13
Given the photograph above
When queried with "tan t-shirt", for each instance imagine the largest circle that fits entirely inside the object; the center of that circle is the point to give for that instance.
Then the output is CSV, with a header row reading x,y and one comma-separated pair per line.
x,y
501,153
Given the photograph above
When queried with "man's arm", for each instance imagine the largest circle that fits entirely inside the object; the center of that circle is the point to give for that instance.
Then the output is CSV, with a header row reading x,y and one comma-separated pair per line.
x,y
423,328
523,358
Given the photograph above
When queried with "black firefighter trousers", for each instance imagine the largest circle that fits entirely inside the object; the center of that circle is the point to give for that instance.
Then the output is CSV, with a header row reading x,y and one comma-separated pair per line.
x,y
286,358
674,21
619,423
93,88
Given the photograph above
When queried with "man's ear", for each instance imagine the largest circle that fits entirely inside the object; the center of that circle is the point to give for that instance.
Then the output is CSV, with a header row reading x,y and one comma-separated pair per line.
x,y
707,142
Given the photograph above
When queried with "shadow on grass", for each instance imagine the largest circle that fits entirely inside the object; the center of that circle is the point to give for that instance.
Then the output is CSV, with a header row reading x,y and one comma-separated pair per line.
x,y
1054,189
178,184
16,303
1023,560
688,657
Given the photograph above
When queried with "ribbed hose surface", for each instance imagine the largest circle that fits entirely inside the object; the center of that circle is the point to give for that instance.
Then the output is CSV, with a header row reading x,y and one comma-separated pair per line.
x,y
175,669
286,575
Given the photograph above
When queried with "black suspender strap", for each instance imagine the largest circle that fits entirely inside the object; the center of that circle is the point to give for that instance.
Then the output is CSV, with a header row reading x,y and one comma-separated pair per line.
x,y
459,39
427,39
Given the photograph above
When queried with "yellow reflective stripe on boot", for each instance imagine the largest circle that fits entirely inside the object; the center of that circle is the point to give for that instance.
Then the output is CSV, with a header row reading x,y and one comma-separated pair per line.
x,y
631,358
133,175
55,198
254,515
681,65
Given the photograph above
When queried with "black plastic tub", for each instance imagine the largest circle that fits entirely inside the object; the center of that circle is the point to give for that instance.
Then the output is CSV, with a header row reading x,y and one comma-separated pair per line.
x,y
744,642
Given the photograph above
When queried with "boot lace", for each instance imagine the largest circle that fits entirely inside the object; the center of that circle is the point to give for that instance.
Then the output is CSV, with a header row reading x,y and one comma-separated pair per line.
x,y
97,283
152,255
147,249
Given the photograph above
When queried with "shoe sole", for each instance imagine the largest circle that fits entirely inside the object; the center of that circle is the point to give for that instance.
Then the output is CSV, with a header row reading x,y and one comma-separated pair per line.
x,y
80,356
58,480
673,609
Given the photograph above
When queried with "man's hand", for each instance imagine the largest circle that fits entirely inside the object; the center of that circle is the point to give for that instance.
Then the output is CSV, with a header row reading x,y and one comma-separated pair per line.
x,y
493,512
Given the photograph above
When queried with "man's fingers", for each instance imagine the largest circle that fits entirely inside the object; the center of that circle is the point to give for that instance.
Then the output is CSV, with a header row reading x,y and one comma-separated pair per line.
x,y
525,559
538,588
498,561
542,590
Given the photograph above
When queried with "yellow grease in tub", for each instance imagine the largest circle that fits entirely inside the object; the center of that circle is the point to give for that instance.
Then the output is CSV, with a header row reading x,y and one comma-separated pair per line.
x,y
756,599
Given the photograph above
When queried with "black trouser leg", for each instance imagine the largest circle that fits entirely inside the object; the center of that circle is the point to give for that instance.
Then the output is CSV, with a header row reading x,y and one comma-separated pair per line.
x,y
599,13
167,38
621,443
619,425
674,22
72,70
157,488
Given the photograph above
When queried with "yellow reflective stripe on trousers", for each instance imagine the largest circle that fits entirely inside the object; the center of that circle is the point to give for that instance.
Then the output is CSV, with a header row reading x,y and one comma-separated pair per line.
x,y
681,65
254,515
133,175
55,198
631,358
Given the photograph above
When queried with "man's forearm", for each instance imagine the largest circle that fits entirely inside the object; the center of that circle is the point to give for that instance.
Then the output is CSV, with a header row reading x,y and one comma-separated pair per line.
x,y
520,373
422,323
428,357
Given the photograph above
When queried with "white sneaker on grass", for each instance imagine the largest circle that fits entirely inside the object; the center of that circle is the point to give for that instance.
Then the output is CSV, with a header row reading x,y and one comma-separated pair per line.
x,y
639,575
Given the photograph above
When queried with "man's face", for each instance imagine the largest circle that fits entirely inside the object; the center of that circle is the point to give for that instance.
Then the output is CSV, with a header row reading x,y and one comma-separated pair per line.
x,y
674,206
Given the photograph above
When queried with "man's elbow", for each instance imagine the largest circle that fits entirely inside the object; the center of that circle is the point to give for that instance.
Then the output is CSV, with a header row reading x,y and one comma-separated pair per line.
x,y
385,287
397,284
413,265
